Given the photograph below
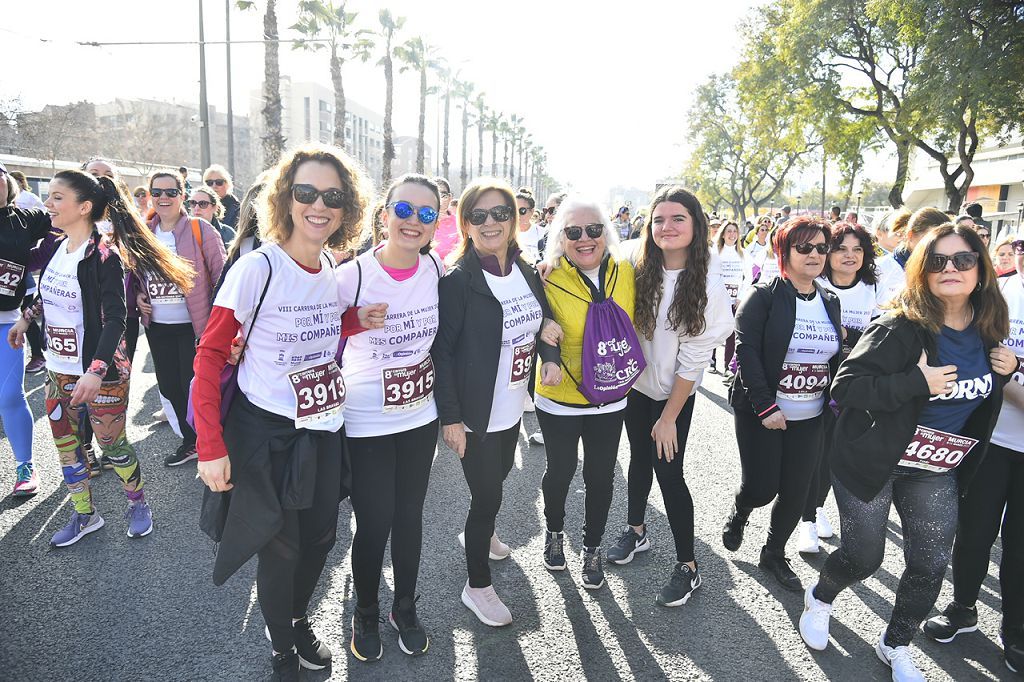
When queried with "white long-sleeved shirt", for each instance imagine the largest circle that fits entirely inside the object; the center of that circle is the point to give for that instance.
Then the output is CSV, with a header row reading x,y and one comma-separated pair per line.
x,y
675,353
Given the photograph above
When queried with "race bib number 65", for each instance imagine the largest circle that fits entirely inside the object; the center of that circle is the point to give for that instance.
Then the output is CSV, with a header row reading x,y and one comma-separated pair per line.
x,y
62,342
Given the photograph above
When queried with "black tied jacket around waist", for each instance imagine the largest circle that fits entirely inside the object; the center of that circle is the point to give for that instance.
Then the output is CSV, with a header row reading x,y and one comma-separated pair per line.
x,y
20,230
881,393
764,327
468,342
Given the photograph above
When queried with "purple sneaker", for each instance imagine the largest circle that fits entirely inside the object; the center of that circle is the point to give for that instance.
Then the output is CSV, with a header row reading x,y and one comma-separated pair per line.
x,y
140,519
35,365
80,526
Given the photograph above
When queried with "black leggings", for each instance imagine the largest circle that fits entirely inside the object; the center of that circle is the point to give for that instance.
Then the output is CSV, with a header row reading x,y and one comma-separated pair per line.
x,y
998,483
641,414
131,336
821,482
174,350
776,465
389,484
486,465
927,505
600,434
291,563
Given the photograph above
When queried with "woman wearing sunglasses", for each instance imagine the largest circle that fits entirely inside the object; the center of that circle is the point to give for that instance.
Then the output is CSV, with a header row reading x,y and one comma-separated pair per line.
x,y
175,319
682,313
528,233
390,409
920,395
281,448
492,312
913,227
788,333
204,203
218,179
994,506
582,272
850,274
446,236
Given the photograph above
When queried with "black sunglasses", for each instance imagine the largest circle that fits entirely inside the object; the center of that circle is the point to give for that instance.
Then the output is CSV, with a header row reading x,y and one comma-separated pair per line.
x,y
403,209
983,235
201,203
575,232
478,216
307,194
1018,247
550,209
523,210
156,192
807,247
216,181
964,260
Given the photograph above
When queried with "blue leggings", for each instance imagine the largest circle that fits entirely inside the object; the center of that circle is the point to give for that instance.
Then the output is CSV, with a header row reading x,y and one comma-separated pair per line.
x,y
14,411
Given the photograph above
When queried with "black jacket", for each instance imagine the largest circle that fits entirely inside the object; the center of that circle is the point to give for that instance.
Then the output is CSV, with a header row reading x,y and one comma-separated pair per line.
x,y
882,392
20,230
101,277
764,326
232,207
468,342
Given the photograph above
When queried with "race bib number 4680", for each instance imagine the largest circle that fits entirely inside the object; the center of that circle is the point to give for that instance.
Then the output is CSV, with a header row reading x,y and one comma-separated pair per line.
x,y
803,380
934,450
319,393
408,388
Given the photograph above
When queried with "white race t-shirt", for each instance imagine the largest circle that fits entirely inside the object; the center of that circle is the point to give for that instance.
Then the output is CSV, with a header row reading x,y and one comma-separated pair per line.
x,y
1009,431
734,269
528,243
859,302
289,366
62,311
804,376
166,298
389,372
755,252
769,266
892,278
521,320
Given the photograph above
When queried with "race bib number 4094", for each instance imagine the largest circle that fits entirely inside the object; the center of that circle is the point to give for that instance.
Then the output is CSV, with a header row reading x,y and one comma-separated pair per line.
x,y
803,380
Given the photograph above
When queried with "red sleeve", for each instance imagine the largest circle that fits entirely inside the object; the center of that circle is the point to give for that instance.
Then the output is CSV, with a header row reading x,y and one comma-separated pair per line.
x,y
211,356
350,325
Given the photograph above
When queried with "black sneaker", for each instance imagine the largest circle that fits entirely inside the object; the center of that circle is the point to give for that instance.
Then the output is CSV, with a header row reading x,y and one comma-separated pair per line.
x,y
554,557
954,620
680,586
313,654
184,453
732,531
105,462
593,571
286,667
1013,649
778,565
628,544
365,643
90,460
412,638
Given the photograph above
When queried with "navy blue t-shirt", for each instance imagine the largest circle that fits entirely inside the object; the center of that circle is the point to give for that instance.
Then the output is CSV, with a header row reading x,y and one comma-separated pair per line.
x,y
964,349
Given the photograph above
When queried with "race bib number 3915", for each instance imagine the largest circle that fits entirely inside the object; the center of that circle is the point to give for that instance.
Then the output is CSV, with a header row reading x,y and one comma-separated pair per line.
x,y
408,388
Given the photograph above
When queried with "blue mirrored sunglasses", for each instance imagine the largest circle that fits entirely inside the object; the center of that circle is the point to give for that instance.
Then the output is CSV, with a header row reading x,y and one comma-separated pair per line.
x,y
403,209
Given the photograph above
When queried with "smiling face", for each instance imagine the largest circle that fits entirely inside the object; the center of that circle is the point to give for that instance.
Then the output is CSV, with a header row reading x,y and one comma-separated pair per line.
x,y
848,257
951,284
220,188
315,222
524,217
167,207
409,234
63,205
200,212
732,235
672,226
491,238
586,252
806,267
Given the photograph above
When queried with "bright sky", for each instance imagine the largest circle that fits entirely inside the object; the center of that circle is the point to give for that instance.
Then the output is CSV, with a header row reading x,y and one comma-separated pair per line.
x,y
603,86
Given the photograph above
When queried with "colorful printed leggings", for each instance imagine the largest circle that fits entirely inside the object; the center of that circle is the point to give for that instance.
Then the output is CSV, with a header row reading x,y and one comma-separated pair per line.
x,y
108,415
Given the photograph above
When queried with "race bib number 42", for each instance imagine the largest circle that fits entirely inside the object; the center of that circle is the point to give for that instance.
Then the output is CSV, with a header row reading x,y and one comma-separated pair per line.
x,y
11,275
62,342
934,450
803,380
319,393
408,388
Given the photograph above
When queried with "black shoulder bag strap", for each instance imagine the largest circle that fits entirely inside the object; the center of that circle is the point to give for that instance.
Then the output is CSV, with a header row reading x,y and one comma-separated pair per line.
x,y
259,304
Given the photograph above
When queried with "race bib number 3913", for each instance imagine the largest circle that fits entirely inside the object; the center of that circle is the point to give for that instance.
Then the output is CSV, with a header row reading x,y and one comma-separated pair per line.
x,y
319,393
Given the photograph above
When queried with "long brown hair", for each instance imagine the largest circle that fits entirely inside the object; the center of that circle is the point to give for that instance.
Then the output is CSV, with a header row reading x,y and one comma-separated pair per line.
x,y
919,305
138,247
248,221
690,298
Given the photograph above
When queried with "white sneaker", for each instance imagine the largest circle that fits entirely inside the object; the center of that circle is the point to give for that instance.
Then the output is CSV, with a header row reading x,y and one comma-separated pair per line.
x,y
160,415
487,605
497,551
528,404
807,539
537,438
814,621
824,527
898,658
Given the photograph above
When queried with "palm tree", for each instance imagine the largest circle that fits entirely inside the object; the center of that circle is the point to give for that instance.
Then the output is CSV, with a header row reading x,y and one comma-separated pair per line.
x,y
465,91
525,143
448,83
419,56
318,18
494,125
506,134
389,26
481,123
273,139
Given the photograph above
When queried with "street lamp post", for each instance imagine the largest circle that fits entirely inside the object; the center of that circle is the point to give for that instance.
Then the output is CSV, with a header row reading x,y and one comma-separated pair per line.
x,y
204,109
858,205
798,200
231,110
1020,214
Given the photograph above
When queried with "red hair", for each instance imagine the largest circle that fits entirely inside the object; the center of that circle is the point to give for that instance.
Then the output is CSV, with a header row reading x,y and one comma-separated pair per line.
x,y
795,231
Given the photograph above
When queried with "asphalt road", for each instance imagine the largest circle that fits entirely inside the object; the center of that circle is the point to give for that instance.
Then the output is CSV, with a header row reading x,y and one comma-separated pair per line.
x,y
114,608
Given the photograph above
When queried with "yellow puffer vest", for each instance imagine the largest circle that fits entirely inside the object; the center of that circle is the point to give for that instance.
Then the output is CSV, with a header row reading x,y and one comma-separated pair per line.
x,y
571,313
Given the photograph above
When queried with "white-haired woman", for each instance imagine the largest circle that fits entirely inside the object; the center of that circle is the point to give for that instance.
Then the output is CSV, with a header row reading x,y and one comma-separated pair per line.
x,y
217,178
582,272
